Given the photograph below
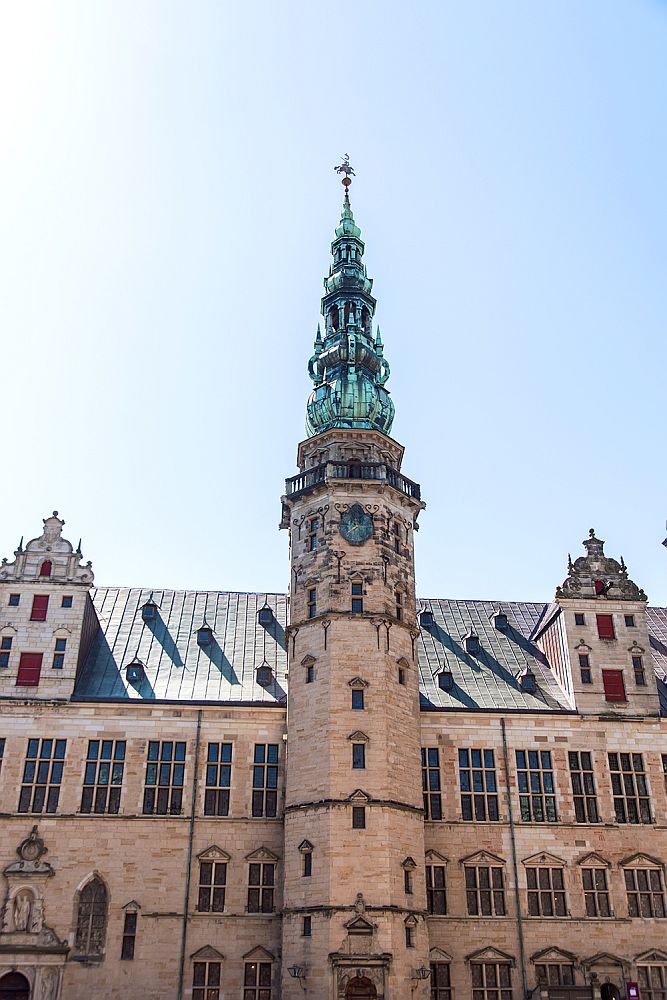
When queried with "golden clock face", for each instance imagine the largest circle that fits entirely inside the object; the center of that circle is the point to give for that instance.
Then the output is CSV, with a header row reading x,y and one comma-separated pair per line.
x,y
356,525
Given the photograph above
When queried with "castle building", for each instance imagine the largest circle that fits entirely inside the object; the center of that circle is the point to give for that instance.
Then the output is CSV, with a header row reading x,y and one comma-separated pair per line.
x,y
343,793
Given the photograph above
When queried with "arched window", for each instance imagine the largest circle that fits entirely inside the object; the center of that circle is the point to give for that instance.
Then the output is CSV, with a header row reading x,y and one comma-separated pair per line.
x,y
45,568
14,986
91,919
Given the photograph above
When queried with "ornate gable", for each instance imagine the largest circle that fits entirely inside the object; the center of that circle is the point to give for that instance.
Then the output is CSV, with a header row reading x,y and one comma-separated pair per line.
x,y
207,954
553,955
258,954
434,856
482,858
262,854
593,860
640,860
544,859
596,577
49,557
489,955
438,955
214,853
654,956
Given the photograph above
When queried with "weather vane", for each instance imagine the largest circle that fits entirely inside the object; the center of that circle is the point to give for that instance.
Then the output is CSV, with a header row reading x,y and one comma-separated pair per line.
x,y
345,168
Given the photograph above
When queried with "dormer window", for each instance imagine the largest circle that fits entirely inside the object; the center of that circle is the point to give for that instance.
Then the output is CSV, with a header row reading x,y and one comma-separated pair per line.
x,y
46,568
426,618
264,675
527,680
471,643
149,610
204,635
134,671
499,619
445,680
265,616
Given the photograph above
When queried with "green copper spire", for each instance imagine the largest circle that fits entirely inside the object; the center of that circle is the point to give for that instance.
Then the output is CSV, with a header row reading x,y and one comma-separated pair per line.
x,y
348,367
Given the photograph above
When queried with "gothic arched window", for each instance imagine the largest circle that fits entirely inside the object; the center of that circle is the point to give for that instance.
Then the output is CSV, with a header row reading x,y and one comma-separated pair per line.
x,y
91,919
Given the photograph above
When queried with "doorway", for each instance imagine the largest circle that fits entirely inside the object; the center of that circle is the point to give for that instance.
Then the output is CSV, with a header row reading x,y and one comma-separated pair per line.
x,y
359,988
610,992
14,986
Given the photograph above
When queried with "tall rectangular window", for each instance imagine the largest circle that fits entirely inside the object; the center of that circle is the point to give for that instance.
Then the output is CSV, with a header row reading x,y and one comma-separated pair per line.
x,y
629,788
307,926
436,890
399,605
585,668
485,891
218,779
479,792
307,864
312,602
357,699
614,685
30,669
357,598
596,892
583,787
5,650
652,981
546,892
358,818
358,756
165,772
646,896
42,776
103,776
40,607
206,981
59,654
212,885
129,936
265,780
441,981
639,672
2,750
431,783
605,624
257,981
537,792
664,768
491,981
313,528
261,882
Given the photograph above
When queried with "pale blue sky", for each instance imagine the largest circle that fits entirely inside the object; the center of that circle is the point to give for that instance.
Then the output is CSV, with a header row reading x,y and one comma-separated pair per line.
x,y
167,201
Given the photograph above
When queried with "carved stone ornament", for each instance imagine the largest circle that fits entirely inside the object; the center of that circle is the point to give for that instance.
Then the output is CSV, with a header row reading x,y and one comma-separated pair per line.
x,y
595,576
30,852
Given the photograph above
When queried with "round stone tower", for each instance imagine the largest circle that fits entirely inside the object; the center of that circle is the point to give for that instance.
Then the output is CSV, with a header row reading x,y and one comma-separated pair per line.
x,y
354,893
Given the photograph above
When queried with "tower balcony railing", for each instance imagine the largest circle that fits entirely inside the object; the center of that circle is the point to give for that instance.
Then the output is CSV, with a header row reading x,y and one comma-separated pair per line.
x,y
378,471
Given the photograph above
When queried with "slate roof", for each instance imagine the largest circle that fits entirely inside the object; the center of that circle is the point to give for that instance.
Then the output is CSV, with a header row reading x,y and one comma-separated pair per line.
x,y
177,669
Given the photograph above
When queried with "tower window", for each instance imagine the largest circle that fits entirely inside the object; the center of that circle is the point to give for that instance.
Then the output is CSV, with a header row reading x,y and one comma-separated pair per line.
x,y
357,699
265,780
40,605
397,537
614,686
310,673
5,650
585,667
399,605
307,926
307,864
59,655
401,675
14,600
409,937
313,528
45,568
605,625
579,618
358,756
629,621
357,598
407,881
129,935
312,602
358,817
67,603
640,673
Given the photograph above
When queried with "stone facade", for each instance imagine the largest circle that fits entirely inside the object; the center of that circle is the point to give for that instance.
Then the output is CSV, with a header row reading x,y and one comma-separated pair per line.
x,y
455,800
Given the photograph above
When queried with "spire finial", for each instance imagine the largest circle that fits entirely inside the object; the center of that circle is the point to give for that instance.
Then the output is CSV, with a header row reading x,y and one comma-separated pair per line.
x,y
345,168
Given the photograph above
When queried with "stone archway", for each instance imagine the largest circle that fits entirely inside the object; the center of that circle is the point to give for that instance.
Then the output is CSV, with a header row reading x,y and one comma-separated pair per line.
x,y
360,988
14,986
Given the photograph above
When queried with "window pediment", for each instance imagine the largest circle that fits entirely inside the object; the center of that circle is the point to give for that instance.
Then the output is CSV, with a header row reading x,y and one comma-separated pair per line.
x,y
402,662
654,956
410,921
553,955
641,861
207,954
433,856
262,854
490,955
438,955
604,958
544,859
258,954
409,864
214,853
358,737
636,649
8,629
359,795
359,925
357,682
308,660
305,846
593,860
483,858
132,906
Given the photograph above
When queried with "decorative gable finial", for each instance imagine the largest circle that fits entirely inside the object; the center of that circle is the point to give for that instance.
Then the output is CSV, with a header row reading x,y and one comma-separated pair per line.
x,y
595,575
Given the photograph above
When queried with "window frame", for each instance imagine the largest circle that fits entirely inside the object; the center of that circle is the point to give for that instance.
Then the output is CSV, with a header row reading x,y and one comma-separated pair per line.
x,y
436,888
546,896
265,780
218,778
634,808
212,885
480,798
161,797
485,893
582,780
529,797
40,608
45,759
129,936
431,784
210,975
103,772
261,896
598,896
637,895
86,912
496,985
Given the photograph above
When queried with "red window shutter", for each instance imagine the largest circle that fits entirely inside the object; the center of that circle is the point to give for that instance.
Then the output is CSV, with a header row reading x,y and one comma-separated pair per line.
x,y
45,568
40,605
614,688
30,667
599,586
606,626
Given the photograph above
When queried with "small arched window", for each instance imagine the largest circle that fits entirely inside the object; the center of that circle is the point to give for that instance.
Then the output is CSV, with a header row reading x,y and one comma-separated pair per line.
x,y
45,568
91,919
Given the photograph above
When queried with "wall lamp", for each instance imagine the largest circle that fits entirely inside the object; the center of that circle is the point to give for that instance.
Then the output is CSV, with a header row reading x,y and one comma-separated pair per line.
x,y
297,972
422,972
